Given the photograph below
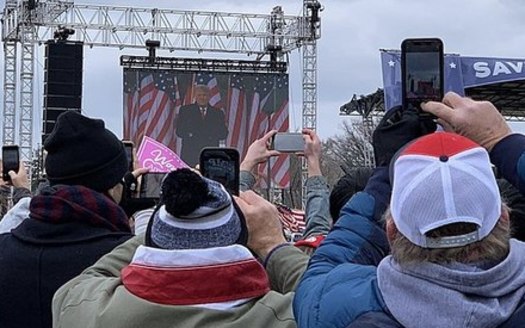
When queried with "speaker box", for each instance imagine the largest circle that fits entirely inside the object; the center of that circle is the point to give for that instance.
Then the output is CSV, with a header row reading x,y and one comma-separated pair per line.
x,y
62,81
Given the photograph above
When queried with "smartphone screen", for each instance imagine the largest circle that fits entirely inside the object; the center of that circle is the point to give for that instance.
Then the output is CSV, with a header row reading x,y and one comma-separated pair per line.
x,y
288,142
422,71
221,165
10,161
150,185
128,146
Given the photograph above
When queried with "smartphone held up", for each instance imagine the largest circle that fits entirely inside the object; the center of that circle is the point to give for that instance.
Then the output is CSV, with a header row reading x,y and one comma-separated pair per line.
x,y
10,161
422,73
285,142
129,147
221,165
151,185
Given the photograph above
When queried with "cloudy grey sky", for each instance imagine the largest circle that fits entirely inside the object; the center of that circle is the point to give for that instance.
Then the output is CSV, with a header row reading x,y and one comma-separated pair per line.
x,y
353,31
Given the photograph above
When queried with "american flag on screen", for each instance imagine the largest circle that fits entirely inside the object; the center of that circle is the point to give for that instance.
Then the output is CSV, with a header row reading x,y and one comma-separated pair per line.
x,y
253,104
151,103
258,104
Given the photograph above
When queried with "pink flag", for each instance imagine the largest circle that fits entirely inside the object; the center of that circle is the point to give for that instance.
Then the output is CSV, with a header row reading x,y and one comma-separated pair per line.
x,y
157,157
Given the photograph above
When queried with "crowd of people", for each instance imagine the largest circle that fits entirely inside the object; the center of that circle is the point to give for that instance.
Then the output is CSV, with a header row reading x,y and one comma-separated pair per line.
x,y
430,237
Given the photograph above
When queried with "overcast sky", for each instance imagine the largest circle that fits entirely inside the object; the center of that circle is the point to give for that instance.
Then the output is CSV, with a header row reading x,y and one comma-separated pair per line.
x,y
353,31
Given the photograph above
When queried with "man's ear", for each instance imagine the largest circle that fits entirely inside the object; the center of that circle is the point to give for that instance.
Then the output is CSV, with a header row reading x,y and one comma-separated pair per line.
x,y
116,193
505,214
391,229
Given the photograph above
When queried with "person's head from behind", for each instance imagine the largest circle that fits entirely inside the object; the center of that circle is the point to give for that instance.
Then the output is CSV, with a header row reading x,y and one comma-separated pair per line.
x,y
202,95
81,151
351,183
196,213
445,205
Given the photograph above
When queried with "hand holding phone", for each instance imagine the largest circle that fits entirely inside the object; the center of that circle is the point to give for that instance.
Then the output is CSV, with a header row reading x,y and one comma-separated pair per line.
x,y
221,165
129,147
10,161
258,152
288,142
150,185
422,63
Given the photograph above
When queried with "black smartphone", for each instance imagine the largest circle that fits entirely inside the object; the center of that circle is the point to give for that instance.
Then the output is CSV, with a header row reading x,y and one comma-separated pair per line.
x,y
150,185
128,146
422,63
222,165
10,161
288,142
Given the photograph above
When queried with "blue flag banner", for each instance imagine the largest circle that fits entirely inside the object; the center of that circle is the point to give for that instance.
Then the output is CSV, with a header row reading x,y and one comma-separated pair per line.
x,y
460,73
481,71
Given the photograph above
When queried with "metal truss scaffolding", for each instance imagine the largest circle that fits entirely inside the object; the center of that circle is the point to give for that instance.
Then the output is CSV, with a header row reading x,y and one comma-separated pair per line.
x,y
26,23
25,132
311,9
10,78
10,59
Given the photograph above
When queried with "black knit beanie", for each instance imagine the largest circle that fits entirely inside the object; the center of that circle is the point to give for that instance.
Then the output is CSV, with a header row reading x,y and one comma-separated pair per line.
x,y
81,151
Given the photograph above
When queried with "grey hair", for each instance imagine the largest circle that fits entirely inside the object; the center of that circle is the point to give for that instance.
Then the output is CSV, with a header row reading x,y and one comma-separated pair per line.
x,y
493,248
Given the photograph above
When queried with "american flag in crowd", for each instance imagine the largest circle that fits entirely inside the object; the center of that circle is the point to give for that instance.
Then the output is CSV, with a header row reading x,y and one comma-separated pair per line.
x,y
253,104
292,220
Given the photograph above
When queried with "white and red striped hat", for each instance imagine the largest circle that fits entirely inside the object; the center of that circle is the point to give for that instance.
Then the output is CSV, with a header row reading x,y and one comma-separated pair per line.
x,y
440,179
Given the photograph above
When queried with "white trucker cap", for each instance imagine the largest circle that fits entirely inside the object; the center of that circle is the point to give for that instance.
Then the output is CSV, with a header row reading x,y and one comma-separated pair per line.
x,y
440,179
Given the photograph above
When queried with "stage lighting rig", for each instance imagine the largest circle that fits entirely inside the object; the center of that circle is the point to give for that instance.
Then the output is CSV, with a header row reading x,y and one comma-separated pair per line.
x,y
63,33
152,46
32,4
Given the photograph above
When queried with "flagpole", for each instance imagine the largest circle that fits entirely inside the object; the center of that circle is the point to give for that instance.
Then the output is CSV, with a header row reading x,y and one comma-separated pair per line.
x,y
268,168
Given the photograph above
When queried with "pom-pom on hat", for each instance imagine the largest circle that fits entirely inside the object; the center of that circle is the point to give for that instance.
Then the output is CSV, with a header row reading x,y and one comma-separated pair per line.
x,y
441,179
81,151
196,213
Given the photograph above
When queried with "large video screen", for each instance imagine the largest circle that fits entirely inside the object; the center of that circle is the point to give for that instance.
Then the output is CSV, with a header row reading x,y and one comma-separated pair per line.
x,y
188,111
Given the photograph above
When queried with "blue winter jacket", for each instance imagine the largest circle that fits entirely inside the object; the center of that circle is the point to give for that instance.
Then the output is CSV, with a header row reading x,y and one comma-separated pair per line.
x,y
340,289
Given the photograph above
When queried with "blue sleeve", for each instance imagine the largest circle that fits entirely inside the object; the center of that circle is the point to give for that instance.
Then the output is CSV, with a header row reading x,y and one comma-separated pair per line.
x,y
355,246
318,219
509,157
246,180
379,188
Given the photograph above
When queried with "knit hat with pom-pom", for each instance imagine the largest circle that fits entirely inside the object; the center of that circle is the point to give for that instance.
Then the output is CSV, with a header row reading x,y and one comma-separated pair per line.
x,y
196,213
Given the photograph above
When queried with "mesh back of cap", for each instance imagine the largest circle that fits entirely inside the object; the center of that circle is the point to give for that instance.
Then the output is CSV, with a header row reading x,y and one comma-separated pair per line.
x,y
429,194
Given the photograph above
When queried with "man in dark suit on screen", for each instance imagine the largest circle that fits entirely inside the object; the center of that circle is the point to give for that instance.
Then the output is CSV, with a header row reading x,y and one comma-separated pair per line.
x,y
200,125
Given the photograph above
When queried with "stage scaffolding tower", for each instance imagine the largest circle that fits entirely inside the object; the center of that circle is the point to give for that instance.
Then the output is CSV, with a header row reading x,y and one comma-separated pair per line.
x,y
312,21
26,23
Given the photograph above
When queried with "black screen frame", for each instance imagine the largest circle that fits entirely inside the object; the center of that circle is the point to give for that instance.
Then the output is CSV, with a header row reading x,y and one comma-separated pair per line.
x,y
230,155
10,160
426,45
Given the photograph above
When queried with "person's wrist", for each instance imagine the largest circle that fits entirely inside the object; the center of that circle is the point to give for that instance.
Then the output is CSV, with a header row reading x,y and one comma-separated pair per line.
x,y
266,247
314,171
18,184
247,165
489,145
266,259
314,167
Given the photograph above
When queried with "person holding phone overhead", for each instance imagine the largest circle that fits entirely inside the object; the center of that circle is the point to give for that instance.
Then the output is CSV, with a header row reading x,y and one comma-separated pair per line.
x,y
72,222
13,191
193,267
441,255
199,125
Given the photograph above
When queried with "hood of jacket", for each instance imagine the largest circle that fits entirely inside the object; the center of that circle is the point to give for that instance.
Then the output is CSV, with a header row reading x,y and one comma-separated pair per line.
x,y
454,295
